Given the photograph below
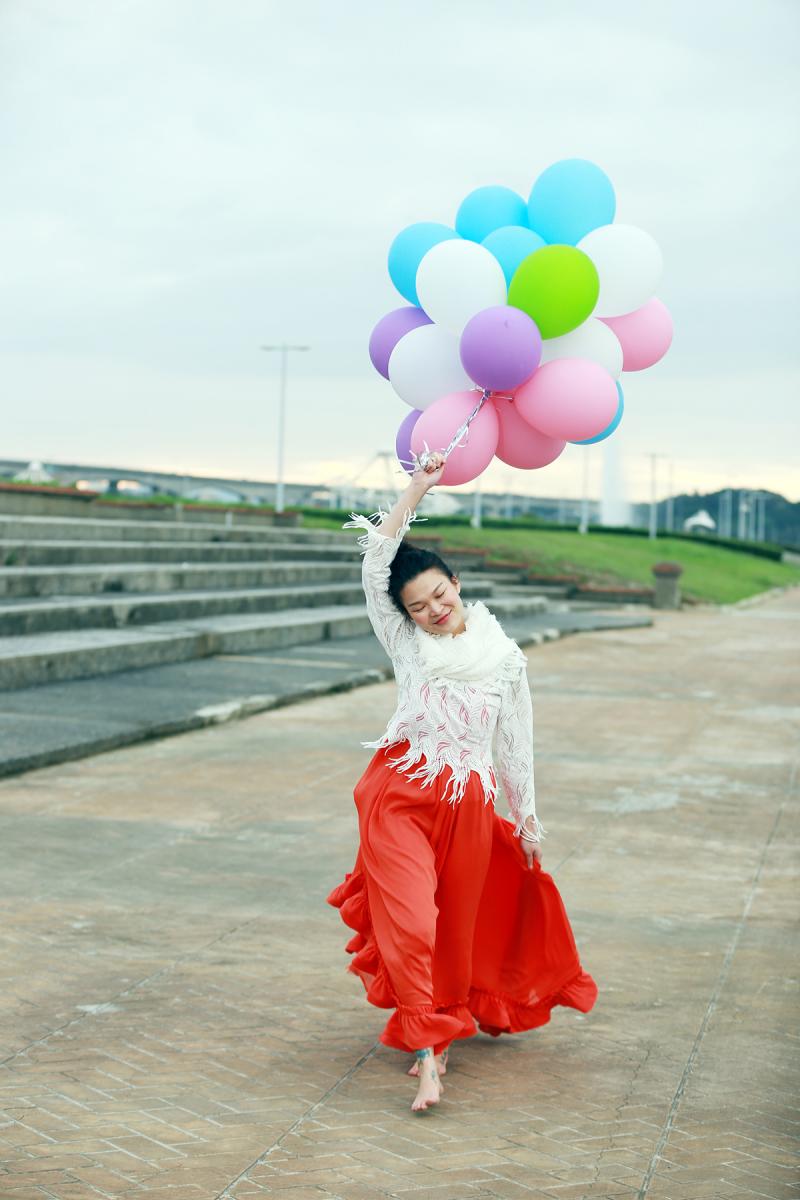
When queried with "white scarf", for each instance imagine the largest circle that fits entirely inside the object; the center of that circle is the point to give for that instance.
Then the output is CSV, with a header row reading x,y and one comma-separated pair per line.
x,y
475,654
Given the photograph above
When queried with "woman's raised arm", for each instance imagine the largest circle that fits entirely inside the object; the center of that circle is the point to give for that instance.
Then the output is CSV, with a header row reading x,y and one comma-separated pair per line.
x,y
379,545
421,482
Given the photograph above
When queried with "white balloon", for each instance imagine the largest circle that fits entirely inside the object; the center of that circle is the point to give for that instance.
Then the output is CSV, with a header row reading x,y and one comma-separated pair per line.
x,y
425,364
457,279
590,340
629,264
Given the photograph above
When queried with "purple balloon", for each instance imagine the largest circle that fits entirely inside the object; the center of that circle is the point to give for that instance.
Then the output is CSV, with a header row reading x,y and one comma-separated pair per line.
x,y
389,330
500,348
403,441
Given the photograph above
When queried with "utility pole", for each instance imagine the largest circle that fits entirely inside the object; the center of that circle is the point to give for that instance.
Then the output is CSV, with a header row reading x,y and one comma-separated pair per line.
x,y
475,521
284,349
757,517
583,526
509,502
725,514
670,499
653,529
744,510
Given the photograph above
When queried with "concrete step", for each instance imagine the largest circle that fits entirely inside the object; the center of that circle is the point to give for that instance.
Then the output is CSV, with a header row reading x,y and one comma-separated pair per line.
x,y
79,654
112,611
16,528
515,606
74,718
509,584
501,578
43,552
550,590
130,578
557,591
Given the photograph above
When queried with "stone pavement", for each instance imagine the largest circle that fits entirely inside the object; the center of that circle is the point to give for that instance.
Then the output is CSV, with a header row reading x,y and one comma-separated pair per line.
x,y
177,1021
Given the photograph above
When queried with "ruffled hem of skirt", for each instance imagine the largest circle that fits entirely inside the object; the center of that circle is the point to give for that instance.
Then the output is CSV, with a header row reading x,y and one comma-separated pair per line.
x,y
350,897
497,1013
411,1027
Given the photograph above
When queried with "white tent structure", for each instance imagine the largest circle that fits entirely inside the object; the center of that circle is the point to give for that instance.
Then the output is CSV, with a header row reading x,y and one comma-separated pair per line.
x,y
35,472
700,522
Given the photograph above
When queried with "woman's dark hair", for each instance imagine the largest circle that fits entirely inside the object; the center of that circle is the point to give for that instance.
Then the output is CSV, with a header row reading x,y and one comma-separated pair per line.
x,y
409,562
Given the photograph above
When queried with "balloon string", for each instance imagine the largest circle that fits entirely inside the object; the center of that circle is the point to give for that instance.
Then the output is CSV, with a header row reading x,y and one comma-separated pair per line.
x,y
463,429
423,459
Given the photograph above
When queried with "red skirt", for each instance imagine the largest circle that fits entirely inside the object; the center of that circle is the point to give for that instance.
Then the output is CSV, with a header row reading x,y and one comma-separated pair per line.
x,y
451,926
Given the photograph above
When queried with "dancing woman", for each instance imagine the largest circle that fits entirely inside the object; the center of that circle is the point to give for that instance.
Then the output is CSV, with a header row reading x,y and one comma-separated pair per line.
x,y
455,921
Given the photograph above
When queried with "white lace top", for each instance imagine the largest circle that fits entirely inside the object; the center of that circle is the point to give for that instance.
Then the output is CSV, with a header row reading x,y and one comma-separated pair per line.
x,y
449,722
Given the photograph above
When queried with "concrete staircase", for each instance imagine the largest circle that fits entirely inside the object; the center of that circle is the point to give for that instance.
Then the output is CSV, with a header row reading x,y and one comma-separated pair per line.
x,y
81,597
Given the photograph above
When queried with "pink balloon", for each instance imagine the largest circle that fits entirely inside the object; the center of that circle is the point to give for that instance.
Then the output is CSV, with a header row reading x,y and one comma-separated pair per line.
x,y
569,398
645,334
519,444
438,425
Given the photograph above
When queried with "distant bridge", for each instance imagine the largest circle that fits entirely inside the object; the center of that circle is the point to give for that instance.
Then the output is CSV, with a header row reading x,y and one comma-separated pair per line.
x,y
337,495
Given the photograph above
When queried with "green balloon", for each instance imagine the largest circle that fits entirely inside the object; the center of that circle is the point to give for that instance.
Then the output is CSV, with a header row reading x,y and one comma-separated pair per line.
x,y
557,287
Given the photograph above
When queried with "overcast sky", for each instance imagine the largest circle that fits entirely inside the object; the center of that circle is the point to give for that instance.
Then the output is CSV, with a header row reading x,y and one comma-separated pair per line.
x,y
186,179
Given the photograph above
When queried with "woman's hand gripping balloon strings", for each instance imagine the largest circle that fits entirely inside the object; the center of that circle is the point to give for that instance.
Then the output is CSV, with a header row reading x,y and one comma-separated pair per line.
x,y
430,473
459,438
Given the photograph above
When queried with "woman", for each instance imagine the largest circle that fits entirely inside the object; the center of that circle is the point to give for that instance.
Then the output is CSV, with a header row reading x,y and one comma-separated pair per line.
x,y
454,918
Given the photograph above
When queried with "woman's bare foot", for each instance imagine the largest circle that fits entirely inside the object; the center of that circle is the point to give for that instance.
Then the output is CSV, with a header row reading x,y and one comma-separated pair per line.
x,y
430,1087
440,1060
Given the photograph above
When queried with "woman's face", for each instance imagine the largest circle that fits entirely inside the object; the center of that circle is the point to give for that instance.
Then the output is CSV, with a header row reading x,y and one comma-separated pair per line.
x,y
433,601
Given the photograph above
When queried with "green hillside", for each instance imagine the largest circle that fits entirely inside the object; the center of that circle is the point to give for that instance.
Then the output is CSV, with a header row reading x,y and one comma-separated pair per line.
x,y
711,573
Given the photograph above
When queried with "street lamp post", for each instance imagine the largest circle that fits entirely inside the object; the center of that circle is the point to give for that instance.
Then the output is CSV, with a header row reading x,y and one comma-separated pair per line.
x,y
284,349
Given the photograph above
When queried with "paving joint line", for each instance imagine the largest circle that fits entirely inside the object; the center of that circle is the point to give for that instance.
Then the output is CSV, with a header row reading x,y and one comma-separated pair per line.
x,y
616,811
226,1194
161,970
713,1001
132,988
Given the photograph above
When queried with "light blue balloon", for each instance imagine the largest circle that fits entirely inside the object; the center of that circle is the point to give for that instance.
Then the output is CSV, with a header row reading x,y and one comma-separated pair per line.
x,y
511,244
569,199
489,208
408,250
609,429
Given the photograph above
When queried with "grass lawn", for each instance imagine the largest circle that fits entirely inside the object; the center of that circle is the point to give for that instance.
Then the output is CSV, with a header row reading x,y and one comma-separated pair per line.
x,y
710,573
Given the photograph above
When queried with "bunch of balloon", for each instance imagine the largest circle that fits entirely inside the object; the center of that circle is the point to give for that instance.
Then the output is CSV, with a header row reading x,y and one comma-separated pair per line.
x,y
519,322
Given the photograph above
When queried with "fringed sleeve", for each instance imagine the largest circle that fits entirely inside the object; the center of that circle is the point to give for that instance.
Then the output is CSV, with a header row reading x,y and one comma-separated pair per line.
x,y
514,751
392,628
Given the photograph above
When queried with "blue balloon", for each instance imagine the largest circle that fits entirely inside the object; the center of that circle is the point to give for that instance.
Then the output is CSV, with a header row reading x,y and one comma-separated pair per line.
x,y
569,199
609,429
408,250
511,244
489,208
